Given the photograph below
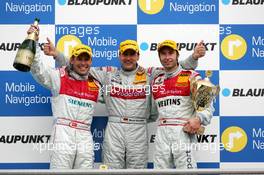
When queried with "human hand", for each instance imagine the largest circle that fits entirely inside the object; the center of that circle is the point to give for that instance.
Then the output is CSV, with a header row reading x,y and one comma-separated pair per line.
x,y
199,50
49,49
193,125
34,29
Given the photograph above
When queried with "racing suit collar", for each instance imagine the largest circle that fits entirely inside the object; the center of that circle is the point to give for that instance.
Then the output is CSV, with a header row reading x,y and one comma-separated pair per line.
x,y
75,75
173,73
130,72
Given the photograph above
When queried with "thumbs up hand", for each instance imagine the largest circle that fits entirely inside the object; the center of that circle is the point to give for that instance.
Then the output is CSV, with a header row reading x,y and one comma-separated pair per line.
x,y
50,49
199,50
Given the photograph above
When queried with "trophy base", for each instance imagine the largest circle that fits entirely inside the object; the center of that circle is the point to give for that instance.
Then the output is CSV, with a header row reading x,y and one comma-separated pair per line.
x,y
21,67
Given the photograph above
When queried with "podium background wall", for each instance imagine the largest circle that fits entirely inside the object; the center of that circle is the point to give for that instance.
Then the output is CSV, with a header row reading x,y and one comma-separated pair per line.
x,y
233,33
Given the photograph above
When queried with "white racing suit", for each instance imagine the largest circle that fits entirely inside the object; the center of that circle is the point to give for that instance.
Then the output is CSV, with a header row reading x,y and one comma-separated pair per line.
x,y
172,95
72,106
128,101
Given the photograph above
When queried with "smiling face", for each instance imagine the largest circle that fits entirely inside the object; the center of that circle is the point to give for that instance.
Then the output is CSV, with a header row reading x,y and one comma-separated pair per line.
x,y
129,59
81,64
168,58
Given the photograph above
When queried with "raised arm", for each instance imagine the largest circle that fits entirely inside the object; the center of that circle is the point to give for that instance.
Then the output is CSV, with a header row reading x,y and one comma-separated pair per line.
x,y
189,63
61,60
45,75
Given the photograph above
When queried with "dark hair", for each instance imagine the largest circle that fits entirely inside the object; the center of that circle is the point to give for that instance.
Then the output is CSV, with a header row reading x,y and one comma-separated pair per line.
x,y
84,53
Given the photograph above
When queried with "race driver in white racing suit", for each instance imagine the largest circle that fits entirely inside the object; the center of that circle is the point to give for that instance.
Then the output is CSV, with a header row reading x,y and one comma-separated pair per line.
x,y
128,102
178,121
74,94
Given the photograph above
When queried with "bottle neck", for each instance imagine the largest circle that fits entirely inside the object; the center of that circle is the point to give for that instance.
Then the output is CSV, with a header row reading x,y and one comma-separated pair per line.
x,y
35,23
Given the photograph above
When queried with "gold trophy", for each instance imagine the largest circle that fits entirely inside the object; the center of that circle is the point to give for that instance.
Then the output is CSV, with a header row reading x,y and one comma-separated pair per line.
x,y
26,52
203,92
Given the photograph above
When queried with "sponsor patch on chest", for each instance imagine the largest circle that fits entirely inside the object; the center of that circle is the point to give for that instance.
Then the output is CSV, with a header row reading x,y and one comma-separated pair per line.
x,y
183,80
93,86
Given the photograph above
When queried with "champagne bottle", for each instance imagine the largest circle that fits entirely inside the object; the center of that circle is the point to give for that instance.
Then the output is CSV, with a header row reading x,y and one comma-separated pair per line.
x,y
26,52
